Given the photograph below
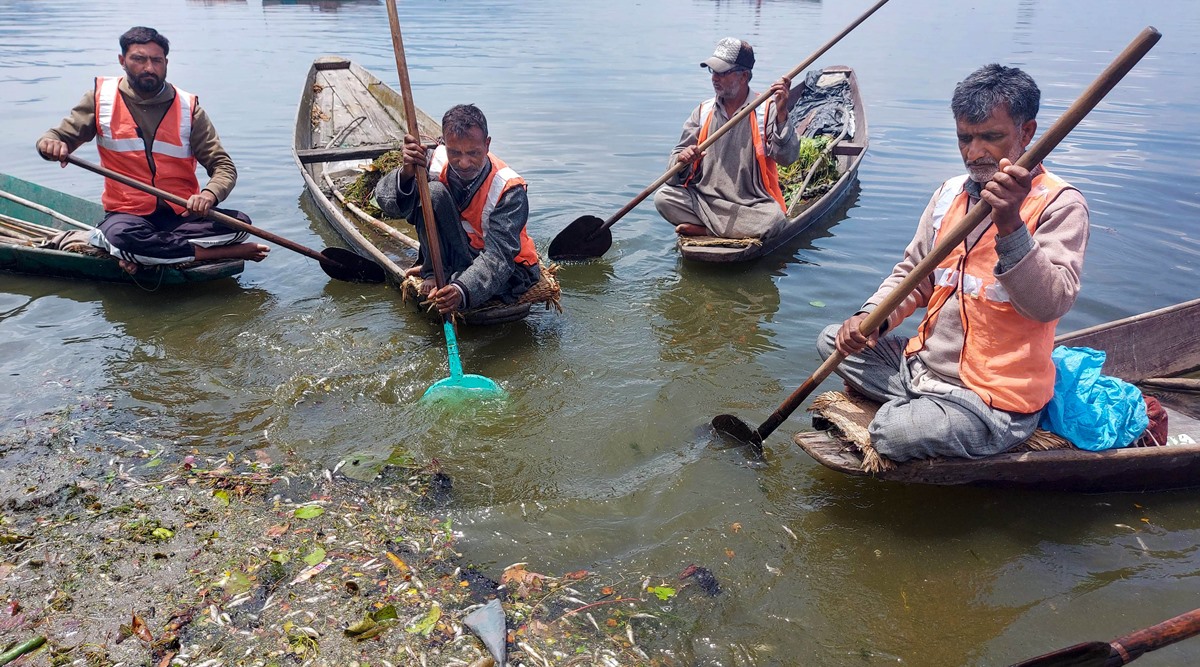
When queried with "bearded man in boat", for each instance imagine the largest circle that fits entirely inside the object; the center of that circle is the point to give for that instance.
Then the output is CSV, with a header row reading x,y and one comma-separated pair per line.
x,y
976,375
481,208
152,131
731,190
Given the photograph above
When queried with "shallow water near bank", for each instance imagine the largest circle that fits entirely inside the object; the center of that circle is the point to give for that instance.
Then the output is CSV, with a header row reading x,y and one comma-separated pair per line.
x,y
602,457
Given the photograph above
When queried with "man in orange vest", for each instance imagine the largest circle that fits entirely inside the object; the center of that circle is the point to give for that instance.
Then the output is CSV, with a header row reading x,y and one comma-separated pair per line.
x,y
481,208
150,130
975,376
731,190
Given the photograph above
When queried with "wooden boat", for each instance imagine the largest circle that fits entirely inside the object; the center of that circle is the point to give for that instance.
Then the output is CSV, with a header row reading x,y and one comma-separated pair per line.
x,y
1153,350
31,215
802,213
347,117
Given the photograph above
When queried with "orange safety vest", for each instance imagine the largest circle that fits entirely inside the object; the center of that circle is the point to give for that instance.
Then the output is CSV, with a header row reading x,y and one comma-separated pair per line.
x,y
1005,357
500,179
123,151
768,171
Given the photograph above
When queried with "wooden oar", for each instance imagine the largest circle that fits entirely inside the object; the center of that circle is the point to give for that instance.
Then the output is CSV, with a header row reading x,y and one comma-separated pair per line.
x,y
736,428
1122,650
457,385
588,235
336,262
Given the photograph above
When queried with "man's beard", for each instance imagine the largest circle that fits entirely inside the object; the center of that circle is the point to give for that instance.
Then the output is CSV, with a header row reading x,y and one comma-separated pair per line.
x,y
982,172
146,83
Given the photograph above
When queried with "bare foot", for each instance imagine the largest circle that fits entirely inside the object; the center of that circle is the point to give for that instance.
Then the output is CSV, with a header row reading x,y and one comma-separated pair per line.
x,y
688,229
255,252
129,267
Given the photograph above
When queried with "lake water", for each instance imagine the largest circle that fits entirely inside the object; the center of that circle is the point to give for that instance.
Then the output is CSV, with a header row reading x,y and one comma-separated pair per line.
x,y
602,458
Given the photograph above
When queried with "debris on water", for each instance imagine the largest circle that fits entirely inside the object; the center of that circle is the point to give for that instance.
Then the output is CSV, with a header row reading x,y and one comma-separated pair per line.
x,y
285,565
704,578
489,625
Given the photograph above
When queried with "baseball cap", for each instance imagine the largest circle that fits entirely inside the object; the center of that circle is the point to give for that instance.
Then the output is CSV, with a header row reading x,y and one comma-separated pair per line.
x,y
730,52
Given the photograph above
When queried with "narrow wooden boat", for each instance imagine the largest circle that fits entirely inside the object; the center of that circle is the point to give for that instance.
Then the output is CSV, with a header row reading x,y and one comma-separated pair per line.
x,y
31,215
1154,350
347,117
848,150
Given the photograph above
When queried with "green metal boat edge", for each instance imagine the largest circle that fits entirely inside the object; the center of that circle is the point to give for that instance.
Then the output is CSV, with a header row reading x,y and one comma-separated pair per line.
x,y
16,258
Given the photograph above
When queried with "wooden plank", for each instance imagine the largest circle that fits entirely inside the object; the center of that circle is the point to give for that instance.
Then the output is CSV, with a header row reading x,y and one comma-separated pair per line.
x,y
1159,343
372,151
325,63
353,101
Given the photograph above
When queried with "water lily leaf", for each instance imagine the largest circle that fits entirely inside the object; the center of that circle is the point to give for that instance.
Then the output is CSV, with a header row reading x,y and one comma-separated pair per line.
x,y
367,623
817,304
386,613
663,592
235,583
309,511
425,625
315,557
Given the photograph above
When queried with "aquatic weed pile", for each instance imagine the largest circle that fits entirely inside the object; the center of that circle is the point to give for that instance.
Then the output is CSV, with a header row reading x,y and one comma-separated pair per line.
x,y
812,153
120,551
361,190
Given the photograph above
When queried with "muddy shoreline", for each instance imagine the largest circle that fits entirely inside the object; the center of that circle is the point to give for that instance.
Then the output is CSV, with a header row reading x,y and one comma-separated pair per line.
x,y
122,547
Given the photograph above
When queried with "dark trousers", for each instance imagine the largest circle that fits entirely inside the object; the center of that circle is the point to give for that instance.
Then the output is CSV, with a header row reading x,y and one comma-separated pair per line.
x,y
164,237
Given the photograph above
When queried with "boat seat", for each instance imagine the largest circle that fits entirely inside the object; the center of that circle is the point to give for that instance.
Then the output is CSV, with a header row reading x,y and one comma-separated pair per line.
x,y
367,151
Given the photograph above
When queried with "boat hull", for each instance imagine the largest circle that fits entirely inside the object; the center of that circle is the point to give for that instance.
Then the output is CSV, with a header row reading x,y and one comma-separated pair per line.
x,y
35,261
1159,344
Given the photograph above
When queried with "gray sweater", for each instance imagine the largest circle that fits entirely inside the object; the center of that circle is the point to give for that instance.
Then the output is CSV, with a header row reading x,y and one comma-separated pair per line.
x,y
1040,272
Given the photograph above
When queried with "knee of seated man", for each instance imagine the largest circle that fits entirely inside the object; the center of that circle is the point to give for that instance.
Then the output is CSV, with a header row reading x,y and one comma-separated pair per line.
x,y
898,430
827,340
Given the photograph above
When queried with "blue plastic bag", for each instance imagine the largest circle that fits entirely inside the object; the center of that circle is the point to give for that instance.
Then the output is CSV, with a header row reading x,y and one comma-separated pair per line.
x,y
1093,411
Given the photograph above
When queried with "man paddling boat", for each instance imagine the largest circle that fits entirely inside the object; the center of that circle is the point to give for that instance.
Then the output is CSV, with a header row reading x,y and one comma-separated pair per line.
x,y
481,208
154,132
732,189
975,378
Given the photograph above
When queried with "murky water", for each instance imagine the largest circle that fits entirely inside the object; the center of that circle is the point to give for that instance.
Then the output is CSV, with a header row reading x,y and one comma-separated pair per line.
x,y
601,459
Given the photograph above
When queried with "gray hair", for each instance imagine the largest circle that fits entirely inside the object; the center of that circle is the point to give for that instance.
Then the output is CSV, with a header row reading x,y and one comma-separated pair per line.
x,y
459,120
992,86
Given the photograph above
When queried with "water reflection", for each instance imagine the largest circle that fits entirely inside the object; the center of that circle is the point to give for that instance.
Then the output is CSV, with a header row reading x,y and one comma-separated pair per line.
x,y
331,6
715,314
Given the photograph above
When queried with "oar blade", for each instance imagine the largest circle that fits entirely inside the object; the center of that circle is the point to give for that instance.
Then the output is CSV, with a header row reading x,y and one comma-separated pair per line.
x,y
582,239
464,388
351,267
737,429
1090,654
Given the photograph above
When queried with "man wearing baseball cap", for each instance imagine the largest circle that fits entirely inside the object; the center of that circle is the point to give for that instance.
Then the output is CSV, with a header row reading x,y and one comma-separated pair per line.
x,y
731,190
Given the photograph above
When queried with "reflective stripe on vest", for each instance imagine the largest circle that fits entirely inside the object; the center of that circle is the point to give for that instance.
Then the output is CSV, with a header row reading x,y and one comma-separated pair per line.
x,y
1005,356
123,151
768,171
501,179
